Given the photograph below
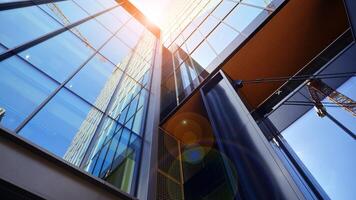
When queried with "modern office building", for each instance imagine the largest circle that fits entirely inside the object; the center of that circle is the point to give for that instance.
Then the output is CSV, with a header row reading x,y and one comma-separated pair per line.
x,y
228,99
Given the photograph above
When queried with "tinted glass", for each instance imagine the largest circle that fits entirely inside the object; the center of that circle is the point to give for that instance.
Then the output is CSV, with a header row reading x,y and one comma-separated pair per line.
x,y
64,126
117,52
96,81
34,23
22,89
64,54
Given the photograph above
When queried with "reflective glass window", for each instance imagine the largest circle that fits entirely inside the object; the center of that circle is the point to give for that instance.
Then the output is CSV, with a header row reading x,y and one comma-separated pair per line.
x,y
223,9
63,55
203,55
65,123
96,81
90,6
22,89
325,148
34,23
117,52
65,12
108,3
194,40
94,38
221,37
242,16
128,37
110,22
121,14
261,3
208,25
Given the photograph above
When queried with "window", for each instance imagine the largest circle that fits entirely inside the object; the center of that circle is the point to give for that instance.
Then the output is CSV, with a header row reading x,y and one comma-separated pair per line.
x,y
64,54
325,149
203,55
242,16
66,123
221,37
94,38
109,21
96,81
34,23
22,89
65,12
117,52
90,6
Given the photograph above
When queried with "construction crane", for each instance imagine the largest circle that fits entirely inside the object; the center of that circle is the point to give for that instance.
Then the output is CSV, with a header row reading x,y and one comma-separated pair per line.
x,y
57,11
319,90
2,113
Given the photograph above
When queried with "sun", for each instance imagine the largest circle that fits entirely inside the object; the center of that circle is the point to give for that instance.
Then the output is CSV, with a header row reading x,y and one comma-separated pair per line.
x,y
154,10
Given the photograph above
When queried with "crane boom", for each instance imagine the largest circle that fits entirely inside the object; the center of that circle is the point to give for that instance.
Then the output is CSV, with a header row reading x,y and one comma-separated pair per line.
x,y
319,90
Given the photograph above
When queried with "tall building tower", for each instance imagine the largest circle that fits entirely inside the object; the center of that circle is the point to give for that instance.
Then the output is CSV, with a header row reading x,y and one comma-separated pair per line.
x,y
198,99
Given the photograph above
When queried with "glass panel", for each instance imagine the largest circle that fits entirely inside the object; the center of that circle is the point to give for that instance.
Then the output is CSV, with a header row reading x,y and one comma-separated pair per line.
x,y
117,52
242,16
138,122
194,40
34,23
208,25
223,9
222,37
86,33
96,81
64,54
108,3
90,6
203,55
262,3
110,22
345,117
325,149
128,37
65,12
64,126
22,89
121,14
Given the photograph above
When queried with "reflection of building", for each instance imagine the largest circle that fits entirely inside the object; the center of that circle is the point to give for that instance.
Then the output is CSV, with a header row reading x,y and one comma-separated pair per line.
x,y
214,106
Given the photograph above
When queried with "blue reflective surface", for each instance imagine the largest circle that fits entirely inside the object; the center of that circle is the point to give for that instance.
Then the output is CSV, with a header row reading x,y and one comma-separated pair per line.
x,y
34,23
329,151
98,88
64,118
64,54
22,89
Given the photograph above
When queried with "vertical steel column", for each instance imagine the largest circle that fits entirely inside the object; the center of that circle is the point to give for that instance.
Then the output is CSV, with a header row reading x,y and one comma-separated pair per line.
x,y
260,173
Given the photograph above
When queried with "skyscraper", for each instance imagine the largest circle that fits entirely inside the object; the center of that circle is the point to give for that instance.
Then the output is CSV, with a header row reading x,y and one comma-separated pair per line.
x,y
214,102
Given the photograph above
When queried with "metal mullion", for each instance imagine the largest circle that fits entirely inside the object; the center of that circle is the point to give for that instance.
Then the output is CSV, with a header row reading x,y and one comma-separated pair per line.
x,y
27,45
28,118
145,111
175,79
24,3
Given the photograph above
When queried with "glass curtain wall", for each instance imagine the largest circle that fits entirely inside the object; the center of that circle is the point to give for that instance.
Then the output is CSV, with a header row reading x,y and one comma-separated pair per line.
x,y
200,41
75,82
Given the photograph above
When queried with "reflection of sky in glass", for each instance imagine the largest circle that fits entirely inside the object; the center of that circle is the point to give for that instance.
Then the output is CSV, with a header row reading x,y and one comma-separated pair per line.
x,y
326,150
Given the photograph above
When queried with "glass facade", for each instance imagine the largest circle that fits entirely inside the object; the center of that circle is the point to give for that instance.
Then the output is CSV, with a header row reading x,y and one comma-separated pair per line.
x,y
198,42
75,82
79,86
